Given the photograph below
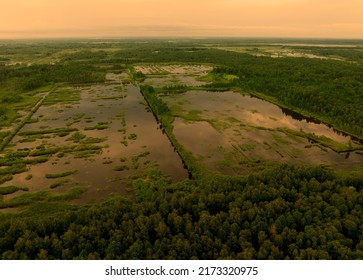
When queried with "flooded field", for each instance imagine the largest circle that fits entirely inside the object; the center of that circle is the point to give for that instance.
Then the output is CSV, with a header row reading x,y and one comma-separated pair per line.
x,y
172,75
97,137
276,52
232,133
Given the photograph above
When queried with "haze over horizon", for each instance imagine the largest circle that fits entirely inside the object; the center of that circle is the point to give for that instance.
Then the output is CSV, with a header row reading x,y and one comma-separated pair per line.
x,y
161,18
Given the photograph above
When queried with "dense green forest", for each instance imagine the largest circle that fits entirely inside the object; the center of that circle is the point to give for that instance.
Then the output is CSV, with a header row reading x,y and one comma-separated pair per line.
x,y
282,212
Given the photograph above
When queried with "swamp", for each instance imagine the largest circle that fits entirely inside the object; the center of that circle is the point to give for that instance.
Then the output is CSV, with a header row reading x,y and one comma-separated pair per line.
x,y
182,149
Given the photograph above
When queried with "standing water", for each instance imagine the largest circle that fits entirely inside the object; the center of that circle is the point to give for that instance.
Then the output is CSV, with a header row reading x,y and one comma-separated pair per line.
x,y
111,120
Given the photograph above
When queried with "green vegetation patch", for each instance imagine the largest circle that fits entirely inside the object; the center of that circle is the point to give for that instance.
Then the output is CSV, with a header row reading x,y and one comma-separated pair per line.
x,y
246,147
77,137
59,131
33,199
14,169
86,153
135,158
193,115
16,154
280,139
214,77
62,150
45,151
78,116
9,190
323,141
99,126
36,160
137,76
121,168
60,175
24,199
10,160
59,183
175,89
124,142
132,136
5,178
93,140
63,96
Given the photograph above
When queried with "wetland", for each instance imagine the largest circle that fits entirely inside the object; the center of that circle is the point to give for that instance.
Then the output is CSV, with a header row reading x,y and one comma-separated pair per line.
x,y
99,137
181,149
244,131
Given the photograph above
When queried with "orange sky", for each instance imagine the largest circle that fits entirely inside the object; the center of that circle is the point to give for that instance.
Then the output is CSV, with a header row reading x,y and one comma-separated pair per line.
x,y
241,18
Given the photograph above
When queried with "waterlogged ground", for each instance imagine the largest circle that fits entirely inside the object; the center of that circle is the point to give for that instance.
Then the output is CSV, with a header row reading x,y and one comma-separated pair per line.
x,y
158,75
97,137
234,133
279,51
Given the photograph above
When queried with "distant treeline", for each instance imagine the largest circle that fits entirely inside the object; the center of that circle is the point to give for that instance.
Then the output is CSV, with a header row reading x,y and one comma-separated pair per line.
x,y
26,78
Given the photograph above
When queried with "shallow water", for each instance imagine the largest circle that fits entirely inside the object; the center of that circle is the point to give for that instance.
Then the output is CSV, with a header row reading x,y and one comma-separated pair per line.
x,y
253,111
249,125
125,116
171,75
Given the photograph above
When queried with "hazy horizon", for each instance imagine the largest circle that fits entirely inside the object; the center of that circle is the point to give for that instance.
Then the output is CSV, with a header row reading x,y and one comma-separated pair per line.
x,y
315,19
